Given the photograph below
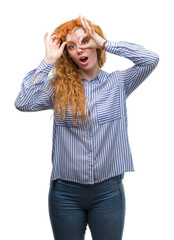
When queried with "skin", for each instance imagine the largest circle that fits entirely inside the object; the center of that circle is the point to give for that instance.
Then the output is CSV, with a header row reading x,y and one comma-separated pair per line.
x,y
85,45
76,51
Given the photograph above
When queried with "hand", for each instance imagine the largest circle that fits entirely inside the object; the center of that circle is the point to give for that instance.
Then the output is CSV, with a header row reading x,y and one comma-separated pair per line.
x,y
95,41
53,48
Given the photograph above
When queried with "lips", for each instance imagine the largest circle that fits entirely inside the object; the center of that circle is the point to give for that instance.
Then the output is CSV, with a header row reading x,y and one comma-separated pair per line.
x,y
83,60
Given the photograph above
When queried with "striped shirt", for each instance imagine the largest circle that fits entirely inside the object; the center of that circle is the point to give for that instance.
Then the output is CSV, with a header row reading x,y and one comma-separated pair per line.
x,y
100,148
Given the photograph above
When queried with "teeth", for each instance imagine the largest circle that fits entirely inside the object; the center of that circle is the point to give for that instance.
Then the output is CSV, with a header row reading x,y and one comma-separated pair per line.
x,y
83,58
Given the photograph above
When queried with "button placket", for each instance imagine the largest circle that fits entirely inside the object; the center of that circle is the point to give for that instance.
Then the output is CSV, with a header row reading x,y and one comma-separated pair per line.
x,y
89,134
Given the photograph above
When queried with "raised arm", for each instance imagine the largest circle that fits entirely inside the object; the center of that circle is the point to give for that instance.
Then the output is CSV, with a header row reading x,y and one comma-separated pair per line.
x,y
145,62
35,96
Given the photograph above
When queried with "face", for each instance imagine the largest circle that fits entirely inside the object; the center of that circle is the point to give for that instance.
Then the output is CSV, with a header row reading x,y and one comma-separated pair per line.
x,y
86,59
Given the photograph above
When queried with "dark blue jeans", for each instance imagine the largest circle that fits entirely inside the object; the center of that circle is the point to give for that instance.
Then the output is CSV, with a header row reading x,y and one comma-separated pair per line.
x,y
73,205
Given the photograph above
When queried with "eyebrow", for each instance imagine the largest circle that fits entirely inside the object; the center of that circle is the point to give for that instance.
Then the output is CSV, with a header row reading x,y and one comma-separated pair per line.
x,y
70,42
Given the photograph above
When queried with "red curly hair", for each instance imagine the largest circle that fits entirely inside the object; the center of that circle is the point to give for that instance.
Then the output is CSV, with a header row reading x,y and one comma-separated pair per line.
x,y
67,81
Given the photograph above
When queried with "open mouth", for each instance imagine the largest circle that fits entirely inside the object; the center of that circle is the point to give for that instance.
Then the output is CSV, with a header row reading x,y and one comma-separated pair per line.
x,y
83,59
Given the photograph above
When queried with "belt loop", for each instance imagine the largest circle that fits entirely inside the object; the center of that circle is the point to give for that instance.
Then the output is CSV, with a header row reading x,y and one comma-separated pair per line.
x,y
118,188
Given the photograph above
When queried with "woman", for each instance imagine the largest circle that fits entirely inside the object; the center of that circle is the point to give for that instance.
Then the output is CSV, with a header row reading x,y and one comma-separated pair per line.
x,y
91,150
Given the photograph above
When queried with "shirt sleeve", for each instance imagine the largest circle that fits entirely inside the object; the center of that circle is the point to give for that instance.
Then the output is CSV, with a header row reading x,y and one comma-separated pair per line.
x,y
35,96
144,61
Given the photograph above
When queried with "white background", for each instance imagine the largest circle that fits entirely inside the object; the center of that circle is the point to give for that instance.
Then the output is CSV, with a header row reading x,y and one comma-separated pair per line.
x,y
26,137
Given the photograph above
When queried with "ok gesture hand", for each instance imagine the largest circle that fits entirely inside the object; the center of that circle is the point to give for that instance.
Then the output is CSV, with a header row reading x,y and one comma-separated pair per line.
x,y
53,49
95,41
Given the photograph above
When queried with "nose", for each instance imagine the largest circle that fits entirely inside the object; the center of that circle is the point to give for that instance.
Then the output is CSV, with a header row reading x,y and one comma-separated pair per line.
x,y
79,49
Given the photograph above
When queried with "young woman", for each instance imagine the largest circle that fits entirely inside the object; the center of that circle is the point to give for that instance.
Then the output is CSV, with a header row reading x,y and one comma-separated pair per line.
x,y
91,150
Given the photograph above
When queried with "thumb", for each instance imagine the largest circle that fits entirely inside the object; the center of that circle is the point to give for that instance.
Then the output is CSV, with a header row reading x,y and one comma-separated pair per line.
x,y
63,45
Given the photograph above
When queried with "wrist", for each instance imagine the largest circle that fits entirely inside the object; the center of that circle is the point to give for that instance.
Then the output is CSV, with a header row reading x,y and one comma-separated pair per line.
x,y
49,61
104,44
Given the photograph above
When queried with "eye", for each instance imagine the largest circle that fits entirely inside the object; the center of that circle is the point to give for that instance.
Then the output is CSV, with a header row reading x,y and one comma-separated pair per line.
x,y
71,47
85,41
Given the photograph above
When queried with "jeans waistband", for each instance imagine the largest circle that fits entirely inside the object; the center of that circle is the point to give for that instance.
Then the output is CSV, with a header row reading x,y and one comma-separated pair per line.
x,y
117,177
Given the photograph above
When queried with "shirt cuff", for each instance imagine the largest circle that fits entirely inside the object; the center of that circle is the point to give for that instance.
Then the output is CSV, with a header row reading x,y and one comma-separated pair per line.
x,y
110,46
45,67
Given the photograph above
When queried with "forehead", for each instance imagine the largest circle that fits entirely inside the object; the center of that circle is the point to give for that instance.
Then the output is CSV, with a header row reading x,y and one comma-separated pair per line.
x,y
76,33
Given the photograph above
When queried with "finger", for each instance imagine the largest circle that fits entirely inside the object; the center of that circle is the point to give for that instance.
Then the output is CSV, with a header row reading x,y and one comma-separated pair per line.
x,y
82,37
63,45
56,41
82,21
92,28
46,34
85,46
45,38
52,38
86,24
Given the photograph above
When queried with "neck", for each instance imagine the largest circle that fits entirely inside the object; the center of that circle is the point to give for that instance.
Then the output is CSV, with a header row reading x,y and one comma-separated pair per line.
x,y
88,75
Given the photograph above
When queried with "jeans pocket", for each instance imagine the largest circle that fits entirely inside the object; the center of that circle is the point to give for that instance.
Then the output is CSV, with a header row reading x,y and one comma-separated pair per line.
x,y
109,182
54,182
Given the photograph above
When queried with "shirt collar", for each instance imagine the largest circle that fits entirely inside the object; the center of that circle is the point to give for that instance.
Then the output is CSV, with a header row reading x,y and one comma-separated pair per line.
x,y
98,77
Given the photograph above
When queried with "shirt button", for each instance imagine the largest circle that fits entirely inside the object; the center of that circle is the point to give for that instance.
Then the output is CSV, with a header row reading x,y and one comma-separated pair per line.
x,y
90,150
91,165
88,83
88,97
89,135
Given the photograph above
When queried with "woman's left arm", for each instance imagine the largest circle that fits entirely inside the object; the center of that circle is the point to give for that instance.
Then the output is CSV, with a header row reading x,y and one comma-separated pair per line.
x,y
145,62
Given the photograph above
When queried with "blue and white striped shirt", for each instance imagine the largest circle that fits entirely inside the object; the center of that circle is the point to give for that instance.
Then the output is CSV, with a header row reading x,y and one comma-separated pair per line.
x,y
99,149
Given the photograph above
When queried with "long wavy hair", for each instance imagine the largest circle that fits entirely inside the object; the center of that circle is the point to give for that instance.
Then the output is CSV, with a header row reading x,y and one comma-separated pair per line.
x,y
69,88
